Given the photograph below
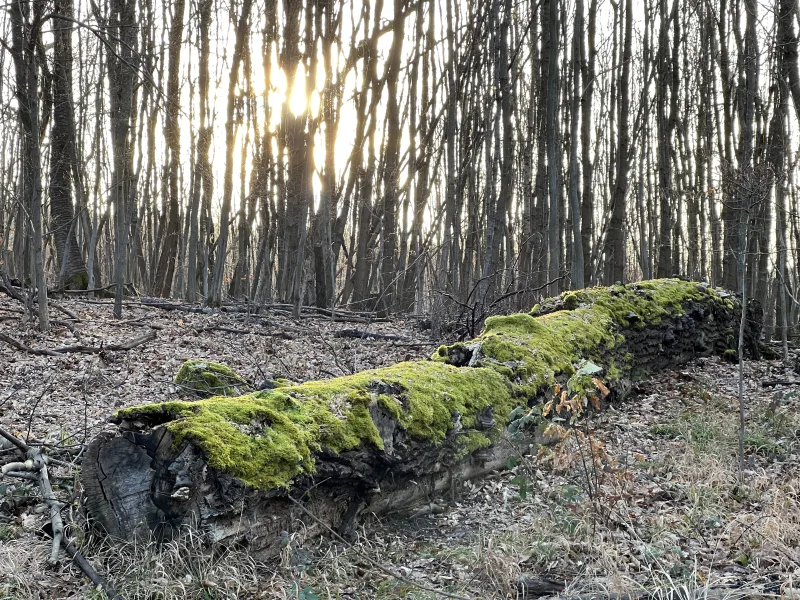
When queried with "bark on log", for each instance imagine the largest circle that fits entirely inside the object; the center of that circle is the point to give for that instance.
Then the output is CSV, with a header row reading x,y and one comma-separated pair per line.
x,y
388,440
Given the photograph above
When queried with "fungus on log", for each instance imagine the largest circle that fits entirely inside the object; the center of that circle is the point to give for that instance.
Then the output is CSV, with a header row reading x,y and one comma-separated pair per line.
x,y
392,439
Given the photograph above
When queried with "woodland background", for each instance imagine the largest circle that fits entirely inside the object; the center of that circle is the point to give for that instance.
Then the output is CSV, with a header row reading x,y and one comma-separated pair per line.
x,y
449,157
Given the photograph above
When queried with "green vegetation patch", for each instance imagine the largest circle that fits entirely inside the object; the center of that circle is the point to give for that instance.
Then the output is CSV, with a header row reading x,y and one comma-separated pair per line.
x,y
698,428
534,350
202,378
268,438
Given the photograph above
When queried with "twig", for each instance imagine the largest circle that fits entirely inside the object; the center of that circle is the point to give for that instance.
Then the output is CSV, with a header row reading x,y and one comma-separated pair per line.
x,y
20,346
362,335
22,475
88,570
36,464
64,323
281,334
14,440
35,469
55,506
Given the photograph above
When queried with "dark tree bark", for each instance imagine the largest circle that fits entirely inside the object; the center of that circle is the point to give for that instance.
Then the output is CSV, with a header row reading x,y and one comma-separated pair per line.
x,y
615,239
215,293
588,76
165,271
202,168
574,194
63,158
730,268
122,61
26,24
391,168
665,94
555,249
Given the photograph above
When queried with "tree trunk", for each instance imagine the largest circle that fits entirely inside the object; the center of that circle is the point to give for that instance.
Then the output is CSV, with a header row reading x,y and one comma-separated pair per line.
x,y
615,240
172,136
121,61
26,23
574,197
385,441
554,250
664,94
391,170
214,297
72,269
588,58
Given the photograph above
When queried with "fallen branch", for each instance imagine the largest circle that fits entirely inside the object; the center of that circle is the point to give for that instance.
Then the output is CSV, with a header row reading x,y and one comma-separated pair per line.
x,y
775,382
365,335
34,469
65,310
80,349
7,287
281,334
88,570
170,306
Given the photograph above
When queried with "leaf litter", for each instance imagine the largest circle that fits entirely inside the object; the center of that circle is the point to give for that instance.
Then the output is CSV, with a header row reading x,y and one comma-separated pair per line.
x,y
643,495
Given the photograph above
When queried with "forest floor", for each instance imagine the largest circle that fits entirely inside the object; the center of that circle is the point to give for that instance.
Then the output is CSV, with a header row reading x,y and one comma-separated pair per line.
x,y
645,495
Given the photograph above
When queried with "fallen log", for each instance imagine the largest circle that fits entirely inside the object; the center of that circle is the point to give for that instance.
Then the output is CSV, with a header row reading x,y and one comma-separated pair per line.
x,y
248,470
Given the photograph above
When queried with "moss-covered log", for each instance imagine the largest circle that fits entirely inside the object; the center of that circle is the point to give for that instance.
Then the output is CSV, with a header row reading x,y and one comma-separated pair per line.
x,y
390,439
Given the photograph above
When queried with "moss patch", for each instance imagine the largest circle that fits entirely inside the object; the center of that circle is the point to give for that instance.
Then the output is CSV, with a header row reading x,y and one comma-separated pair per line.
x,y
78,281
470,441
539,349
205,378
268,438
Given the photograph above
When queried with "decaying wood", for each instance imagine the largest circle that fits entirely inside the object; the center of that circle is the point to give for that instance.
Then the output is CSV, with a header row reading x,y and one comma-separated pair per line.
x,y
537,587
79,348
142,480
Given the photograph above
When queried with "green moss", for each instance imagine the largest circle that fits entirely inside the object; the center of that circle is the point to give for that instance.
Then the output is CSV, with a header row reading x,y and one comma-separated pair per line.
x,y
268,438
571,300
538,349
78,281
206,378
283,382
541,349
730,355
613,372
470,441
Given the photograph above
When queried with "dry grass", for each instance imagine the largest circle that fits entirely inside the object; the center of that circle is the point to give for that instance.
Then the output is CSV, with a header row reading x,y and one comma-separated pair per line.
x,y
648,499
